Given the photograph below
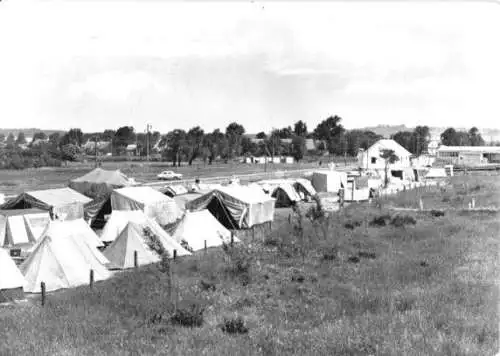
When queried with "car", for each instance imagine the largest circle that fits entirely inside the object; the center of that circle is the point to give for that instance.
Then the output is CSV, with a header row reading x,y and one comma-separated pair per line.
x,y
169,175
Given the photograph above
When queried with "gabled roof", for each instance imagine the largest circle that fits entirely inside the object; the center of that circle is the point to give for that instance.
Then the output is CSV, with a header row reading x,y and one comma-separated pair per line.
x,y
389,144
98,176
60,196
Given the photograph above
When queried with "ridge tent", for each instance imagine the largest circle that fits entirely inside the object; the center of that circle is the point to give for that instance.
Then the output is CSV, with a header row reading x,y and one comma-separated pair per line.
x,y
11,279
98,185
197,227
131,239
285,195
64,202
235,206
304,188
119,220
62,259
174,190
24,226
154,204
182,199
329,181
99,182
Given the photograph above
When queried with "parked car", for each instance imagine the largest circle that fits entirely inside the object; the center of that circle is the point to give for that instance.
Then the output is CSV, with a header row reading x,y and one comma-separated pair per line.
x,y
169,175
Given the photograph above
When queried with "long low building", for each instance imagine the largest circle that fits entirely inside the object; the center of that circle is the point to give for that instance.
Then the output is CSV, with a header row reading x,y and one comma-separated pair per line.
x,y
469,155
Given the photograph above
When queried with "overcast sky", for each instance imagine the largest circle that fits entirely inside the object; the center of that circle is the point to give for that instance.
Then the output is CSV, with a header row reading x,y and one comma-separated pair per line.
x,y
98,65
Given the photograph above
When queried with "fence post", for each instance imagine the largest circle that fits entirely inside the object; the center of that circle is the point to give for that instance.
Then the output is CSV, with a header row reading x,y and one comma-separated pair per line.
x,y
421,204
175,254
205,246
253,233
42,287
91,284
232,239
136,263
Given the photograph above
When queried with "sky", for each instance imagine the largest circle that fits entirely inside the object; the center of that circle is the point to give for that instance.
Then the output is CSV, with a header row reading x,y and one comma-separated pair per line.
x,y
105,64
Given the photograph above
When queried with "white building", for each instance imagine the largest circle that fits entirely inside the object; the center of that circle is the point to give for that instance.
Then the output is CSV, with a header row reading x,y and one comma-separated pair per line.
x,y
371,158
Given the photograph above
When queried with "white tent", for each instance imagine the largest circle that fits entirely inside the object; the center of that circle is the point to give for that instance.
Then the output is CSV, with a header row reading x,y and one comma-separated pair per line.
x,y
285,195
11,279
155,204
62,258
130,241
119,220
329,181
197,227
20,227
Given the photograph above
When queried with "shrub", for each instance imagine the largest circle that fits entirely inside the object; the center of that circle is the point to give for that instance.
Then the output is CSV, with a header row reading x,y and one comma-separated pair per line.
x,y
402,220
271,241
240,260
207,285
380,220
364,254
189,313
352,224
330,253
437,213
353,259
234,326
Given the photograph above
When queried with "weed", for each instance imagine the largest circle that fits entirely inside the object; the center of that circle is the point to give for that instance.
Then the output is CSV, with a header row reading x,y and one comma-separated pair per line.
x,y
436,213
380,220
234,326
353,259
207,286
402,220
369,255
352,224
330,253
188,313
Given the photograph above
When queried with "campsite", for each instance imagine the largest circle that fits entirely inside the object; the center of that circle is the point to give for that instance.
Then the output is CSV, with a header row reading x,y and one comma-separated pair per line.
x,y
275,262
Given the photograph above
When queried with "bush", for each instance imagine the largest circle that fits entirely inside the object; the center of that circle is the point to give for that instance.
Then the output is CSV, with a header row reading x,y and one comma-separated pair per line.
x,y
352,224
380,220
330,253
437,213
234,326
353,259
402,220
240,261
188,313
207,285
364,254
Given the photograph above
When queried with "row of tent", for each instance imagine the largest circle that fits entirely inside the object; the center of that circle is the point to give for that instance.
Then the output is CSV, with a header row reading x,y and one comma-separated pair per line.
x,y
67,251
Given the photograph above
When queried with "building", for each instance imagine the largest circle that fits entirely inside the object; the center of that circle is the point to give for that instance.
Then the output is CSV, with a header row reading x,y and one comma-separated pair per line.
x,y
469,155
371,158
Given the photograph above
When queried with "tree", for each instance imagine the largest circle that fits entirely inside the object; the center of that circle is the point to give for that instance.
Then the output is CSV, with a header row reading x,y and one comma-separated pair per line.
x,y
2,137
234,133
285,132
300,128
248,147
331,131
405,139
389,157
123,137
40,135
108,135
21,138
261,135
175,146
54,138
11,139
421,137
298,147
70,152
194,140
448,137
475,138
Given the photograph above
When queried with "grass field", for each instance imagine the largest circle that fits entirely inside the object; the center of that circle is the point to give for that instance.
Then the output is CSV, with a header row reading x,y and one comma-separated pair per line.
x,y
16,181
346,287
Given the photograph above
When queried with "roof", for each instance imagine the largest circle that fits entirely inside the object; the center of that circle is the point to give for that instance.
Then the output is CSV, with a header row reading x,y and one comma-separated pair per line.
x,y
10,277
131,147
16,212
247,194
99,175
486,149
60,196
146,195
389,144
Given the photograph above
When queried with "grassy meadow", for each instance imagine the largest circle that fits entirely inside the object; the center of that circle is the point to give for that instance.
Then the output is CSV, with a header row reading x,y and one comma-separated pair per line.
x,y
361,282
16,181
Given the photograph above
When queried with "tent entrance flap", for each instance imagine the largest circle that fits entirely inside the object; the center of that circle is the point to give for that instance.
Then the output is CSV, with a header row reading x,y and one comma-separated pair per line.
x,y
217,209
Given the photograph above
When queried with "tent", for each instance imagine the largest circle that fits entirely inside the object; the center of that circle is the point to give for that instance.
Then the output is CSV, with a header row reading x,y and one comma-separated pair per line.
x,y
285,195
119,220
130,240
197,227
99,182
98,185
11,279
329,181
182,199
154,204
24,226
236,206
62,259
65,202
173,190
304,188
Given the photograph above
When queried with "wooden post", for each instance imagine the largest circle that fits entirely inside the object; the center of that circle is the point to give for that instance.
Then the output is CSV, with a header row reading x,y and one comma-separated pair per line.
x,y
175,254
253,233
290,218
136,262
352,194
205,242
232,239
42,287
91,284
473,203
421,204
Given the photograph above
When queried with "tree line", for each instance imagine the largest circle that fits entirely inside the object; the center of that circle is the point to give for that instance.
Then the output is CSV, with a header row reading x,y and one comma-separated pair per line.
x,y
178,145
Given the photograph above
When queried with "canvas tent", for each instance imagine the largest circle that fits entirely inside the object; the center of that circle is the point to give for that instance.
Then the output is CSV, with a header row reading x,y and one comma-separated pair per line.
x,y
183,199
197,227
304,188
65,202
329,181
20,227
119,220
62,259
235,206
154,204
173,190
99,182
11,279
285,195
